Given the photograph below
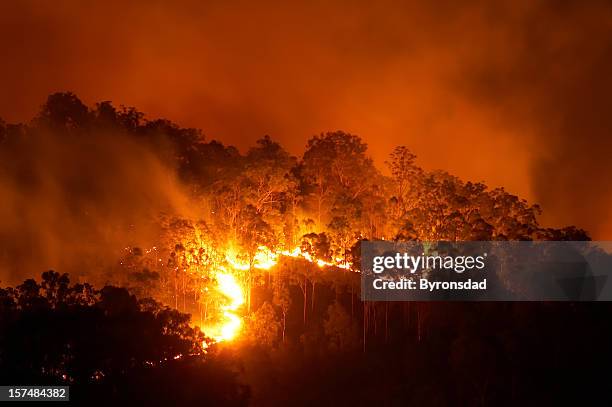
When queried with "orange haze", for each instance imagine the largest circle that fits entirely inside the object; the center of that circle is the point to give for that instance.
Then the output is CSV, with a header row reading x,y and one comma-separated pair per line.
x,y
515,94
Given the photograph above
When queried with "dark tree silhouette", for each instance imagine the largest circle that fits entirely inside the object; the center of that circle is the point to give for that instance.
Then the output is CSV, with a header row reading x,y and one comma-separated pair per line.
x,y
108,345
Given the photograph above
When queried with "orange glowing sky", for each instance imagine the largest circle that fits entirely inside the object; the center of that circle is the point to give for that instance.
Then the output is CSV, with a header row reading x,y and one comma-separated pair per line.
x,y
514,94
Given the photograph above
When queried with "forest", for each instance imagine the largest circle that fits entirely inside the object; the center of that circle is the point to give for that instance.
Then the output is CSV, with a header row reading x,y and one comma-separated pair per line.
x,y
177,269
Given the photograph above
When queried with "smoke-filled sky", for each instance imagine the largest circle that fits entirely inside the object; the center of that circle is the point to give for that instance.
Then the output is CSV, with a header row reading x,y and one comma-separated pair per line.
x,y
515,94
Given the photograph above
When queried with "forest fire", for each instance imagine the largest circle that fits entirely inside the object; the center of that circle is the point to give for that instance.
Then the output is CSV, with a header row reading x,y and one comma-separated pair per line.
x,y
231,322
212,225
259,258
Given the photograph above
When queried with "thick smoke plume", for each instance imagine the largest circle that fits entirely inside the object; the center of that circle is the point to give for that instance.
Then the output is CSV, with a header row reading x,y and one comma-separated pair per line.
x,y
73,204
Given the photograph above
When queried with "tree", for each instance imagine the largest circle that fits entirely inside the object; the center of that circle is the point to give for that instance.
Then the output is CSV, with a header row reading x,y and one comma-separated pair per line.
x,y
335,164
59,333
282,300
64,111
55,287
316,245
339,328
404,172
263,326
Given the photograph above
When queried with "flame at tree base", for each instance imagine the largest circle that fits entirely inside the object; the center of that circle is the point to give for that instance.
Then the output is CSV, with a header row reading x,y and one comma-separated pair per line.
x,y
230,327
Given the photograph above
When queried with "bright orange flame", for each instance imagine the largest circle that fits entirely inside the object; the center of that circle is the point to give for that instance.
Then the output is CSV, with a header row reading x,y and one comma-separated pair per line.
x,y
229,287
298,253
232,257
264,259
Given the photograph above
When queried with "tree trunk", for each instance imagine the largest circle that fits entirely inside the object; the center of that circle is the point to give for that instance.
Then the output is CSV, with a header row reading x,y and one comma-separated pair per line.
x,y
312,297
176,289
304,287
249,284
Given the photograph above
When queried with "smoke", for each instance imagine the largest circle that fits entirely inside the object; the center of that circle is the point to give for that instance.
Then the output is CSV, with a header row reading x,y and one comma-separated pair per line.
x,y
551,78
72,202
513,93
